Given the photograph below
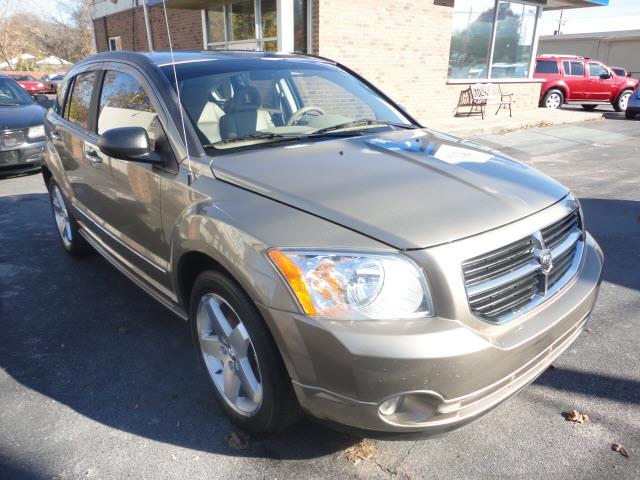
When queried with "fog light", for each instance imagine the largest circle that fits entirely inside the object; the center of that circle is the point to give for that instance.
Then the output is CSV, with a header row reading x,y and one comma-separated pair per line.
x,y
36,157
389,407
412,408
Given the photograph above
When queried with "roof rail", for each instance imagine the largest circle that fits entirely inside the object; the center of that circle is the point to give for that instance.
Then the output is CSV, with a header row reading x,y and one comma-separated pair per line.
x,y
557,55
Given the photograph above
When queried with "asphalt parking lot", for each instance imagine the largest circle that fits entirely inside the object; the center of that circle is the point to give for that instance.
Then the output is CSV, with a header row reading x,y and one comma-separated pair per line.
x,y
99,381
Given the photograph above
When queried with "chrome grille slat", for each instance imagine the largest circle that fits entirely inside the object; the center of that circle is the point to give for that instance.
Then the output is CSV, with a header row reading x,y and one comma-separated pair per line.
x,y
508,280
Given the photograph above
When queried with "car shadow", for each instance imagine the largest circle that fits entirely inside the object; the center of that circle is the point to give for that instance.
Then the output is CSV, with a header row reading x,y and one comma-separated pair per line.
x,y
80,333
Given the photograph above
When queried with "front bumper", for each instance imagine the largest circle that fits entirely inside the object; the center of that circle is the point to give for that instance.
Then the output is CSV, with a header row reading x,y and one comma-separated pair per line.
x,y
344,372
25,157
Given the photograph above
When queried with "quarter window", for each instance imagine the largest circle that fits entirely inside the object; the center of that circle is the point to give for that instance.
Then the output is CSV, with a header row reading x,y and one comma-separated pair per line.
x,y
124,103
547,66
79,103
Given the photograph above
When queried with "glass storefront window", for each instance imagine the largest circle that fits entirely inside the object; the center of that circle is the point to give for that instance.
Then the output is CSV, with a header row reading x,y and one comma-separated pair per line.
x,y
269,18
300,26
215,24
471,39
492,39
515,27
242,19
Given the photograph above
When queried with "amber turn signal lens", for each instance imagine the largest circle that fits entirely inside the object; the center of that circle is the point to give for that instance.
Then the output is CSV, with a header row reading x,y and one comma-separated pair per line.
x,y
292,273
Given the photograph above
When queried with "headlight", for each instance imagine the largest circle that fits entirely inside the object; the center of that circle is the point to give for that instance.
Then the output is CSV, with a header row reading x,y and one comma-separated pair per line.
x,y
41,85
355,286
36,132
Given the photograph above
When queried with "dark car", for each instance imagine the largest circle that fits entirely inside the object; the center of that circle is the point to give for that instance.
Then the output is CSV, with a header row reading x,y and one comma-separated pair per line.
x,y
51,82
22,136
330,254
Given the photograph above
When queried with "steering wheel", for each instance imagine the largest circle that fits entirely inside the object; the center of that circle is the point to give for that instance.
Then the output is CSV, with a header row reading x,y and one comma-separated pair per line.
x,y
302,112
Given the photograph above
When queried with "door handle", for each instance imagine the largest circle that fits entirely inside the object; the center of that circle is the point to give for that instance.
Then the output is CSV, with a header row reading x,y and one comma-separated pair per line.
x,y
55,135
92,156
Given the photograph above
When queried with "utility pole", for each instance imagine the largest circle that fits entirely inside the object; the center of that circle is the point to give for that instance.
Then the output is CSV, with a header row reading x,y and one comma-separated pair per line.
x,y
147,24
559,31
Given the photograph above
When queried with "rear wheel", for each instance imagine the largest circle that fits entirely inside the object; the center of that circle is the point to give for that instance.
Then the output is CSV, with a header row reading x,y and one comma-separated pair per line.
x,y
66,224
553,99
244,366
589,107
622,101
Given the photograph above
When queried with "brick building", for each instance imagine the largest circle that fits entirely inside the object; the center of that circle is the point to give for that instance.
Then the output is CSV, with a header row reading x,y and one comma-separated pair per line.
x,y
420,52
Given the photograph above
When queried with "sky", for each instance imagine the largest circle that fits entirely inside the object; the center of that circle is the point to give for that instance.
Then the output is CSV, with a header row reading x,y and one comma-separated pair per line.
x,y
618,15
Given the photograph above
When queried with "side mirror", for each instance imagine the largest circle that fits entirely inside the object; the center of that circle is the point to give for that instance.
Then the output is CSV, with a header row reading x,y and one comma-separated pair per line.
x,y
128,143
605,76
41,99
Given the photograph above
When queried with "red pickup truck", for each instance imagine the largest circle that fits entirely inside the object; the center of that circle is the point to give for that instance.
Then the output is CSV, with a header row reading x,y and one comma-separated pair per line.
x,y
581,81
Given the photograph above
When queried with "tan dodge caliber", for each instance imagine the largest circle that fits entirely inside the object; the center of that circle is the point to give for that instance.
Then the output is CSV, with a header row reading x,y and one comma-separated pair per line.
x,y
330,254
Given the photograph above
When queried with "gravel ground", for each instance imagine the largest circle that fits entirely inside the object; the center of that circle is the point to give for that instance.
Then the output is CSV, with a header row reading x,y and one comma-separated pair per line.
x,y
98,381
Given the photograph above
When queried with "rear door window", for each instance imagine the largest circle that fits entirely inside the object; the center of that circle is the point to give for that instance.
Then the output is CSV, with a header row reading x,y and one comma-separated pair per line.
x,y
79,102
547,66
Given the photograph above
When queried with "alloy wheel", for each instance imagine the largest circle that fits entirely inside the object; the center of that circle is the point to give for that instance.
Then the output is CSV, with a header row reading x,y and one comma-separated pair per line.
x,y
61,216
624,101
229,354
553,100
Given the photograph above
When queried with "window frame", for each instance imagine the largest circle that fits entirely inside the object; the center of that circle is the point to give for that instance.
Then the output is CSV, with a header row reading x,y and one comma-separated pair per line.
x,y
90,128
593,62
118,43
259,39
492,43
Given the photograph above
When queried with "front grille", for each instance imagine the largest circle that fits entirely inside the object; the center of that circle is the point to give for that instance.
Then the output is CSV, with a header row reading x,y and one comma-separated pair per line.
x,y
511,279
12,138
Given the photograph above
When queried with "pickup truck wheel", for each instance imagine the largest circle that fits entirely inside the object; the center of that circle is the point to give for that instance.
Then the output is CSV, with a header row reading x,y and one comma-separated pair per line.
x,y
589,107
553,99
240,357
620,105
66,224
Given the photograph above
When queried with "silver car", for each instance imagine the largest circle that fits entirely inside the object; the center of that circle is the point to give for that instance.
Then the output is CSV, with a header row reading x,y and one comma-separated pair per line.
x,y
332,256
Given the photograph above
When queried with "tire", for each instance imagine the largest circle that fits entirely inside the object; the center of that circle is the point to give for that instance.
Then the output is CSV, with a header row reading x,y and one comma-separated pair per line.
x,y
244,352
620,105
553,99
589,107
630,114
66,224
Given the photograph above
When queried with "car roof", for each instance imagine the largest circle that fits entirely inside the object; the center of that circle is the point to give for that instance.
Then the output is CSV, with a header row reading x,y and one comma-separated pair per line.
x,y
163,58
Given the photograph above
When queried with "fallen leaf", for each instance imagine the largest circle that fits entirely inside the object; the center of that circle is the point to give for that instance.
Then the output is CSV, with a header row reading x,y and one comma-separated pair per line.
x,y
237,440
552,366
576,416
588,330
618,447
363,450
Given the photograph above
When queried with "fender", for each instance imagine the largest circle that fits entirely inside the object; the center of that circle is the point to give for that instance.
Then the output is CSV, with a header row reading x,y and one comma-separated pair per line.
x,y
561,84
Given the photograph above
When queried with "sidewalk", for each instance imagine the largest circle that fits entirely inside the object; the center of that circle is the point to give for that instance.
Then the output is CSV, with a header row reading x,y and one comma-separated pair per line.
x,y
540,117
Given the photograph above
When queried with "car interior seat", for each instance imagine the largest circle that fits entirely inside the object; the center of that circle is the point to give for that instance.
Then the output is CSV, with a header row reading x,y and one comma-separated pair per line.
x,y
244,115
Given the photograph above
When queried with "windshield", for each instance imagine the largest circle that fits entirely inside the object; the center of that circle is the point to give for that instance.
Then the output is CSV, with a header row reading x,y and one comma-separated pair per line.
x,y
12,94
234,103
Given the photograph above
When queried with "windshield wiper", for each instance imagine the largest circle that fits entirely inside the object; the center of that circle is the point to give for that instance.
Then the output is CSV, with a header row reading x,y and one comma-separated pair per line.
x,y
361,123
253,136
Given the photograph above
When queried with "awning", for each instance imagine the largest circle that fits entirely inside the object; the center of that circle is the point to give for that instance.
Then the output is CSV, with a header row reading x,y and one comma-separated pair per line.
x,y
191,4
557,4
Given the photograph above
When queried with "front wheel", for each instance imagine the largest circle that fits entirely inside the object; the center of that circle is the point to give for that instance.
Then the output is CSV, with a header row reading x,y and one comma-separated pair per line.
x,y
620,105
241,359
553,99
66,224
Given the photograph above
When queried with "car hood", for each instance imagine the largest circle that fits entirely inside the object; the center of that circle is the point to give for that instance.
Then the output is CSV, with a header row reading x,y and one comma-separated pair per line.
x,y
409,189
21,116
